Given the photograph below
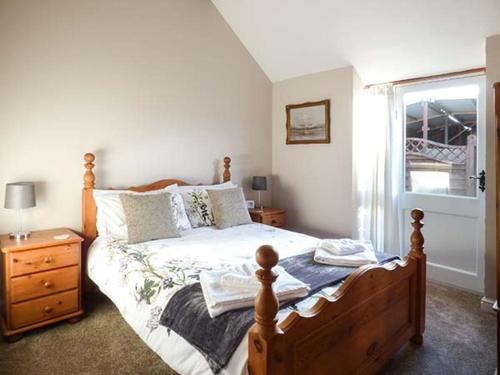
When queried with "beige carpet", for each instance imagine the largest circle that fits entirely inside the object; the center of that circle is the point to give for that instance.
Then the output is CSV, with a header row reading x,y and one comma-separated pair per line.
x,y
459,340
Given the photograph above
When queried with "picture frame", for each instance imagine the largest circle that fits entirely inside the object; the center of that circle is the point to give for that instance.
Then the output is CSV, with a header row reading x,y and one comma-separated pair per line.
x,y
250,204
308,122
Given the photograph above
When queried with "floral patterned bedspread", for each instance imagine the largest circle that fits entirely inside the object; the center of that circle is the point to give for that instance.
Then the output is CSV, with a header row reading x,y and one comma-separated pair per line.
x,y
141,278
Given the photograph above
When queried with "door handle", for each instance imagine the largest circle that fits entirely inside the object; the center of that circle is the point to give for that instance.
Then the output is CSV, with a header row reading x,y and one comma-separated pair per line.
x,y
482,180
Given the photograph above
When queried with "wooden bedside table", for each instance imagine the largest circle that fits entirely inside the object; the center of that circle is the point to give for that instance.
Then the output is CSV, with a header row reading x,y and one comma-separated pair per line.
x,y
269,216
41,281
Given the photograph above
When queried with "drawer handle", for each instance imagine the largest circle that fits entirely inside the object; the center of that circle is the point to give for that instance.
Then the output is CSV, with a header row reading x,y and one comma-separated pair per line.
x,y
273,221
48,309
47,284
48,260
15,260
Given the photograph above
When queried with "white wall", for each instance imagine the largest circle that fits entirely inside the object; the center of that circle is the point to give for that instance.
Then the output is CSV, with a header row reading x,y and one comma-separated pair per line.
x,y
156,89
493,76
314,182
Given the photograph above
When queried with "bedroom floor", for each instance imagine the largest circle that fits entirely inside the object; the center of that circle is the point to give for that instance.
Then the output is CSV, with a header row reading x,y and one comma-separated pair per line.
x,y
459,340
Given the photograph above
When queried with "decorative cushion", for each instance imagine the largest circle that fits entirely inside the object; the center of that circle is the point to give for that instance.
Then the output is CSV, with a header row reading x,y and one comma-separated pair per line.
x,y
197,204
198,207
229,207
149,217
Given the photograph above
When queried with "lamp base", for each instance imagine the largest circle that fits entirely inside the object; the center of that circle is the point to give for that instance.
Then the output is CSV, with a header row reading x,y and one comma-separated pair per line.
x,y
18,236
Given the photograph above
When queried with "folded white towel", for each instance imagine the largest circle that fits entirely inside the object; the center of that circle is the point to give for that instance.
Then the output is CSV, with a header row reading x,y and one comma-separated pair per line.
x,y
242,277
354,260
234,280
221,298
345,246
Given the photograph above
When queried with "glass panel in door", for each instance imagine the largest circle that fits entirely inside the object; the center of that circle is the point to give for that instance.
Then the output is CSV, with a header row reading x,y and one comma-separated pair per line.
x,y
441,141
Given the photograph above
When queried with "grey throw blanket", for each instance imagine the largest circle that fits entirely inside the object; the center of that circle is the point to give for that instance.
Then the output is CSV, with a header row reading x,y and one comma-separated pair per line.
x,y
186,313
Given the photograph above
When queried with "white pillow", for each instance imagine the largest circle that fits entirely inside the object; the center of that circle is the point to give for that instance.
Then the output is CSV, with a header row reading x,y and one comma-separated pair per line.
x,y
225,185
111,220
180,215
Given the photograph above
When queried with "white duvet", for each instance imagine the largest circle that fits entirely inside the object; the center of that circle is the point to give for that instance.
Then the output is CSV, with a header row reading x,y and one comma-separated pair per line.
x,y
140,279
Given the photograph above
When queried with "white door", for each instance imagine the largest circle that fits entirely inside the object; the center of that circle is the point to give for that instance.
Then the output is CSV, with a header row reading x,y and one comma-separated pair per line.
x,y
443,155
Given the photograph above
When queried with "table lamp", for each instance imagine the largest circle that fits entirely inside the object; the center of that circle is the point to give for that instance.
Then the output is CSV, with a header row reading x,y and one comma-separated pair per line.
x,y
18,196
259,183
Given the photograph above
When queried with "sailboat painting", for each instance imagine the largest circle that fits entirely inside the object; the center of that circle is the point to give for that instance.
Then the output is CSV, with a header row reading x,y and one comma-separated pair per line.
x,y
308,122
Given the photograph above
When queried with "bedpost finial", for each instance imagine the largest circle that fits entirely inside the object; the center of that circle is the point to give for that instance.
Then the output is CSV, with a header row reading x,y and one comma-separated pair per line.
x,y
227,165
417,214
89,177
266,302
89,157
417,239
267,257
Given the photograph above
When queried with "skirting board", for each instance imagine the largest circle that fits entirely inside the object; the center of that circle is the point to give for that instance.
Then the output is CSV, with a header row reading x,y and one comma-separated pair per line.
x,y
487,305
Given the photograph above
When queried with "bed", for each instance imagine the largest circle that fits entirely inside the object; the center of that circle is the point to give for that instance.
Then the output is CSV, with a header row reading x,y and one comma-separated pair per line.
x,y
349,328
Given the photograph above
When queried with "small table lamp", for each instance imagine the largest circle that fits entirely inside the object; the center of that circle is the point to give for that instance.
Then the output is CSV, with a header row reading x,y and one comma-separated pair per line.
x,y
18,196
259,183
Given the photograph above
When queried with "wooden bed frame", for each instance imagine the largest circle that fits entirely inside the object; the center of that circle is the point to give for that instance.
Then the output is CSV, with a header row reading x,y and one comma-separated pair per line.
x,y
372,315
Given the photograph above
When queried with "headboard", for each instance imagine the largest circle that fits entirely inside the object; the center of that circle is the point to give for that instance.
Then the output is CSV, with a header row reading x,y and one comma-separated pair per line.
x,y
89,210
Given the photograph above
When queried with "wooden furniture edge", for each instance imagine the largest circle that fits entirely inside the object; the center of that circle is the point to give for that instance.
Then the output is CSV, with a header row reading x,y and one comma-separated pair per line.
x,y
270,211
273,348
496,87
12,332
22,246
89,209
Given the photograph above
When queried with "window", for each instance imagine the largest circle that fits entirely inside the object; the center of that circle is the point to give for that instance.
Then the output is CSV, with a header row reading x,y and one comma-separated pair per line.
x,y
441,140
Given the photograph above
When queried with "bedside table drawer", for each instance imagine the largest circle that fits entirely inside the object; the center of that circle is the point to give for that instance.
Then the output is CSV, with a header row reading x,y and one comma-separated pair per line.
x,y
44,308
274,220
31,261
43,283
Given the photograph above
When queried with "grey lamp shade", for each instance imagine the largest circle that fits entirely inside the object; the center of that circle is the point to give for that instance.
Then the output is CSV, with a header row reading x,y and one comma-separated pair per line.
x,y
259,183
20,195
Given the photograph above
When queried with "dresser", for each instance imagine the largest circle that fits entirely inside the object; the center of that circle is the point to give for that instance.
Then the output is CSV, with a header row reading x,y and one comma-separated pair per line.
x,y
40,281
270,216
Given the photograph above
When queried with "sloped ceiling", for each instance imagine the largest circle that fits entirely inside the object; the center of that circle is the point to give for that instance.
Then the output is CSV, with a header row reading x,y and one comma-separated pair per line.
x,y
383,39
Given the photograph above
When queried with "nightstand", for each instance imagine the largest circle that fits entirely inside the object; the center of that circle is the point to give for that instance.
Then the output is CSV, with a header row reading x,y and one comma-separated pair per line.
x,y
269,216
41,281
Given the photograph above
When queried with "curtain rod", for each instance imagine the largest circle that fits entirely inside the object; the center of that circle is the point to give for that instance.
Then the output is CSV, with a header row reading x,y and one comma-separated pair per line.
x,y
431,78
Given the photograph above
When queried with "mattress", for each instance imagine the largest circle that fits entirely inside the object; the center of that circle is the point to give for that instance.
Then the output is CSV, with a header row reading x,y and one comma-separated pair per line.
x,y
140,279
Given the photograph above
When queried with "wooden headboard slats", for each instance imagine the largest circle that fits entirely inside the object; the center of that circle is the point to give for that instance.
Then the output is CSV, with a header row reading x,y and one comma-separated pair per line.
x,y
89,210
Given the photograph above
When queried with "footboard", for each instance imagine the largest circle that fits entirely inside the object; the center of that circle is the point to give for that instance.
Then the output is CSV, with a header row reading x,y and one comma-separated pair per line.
x,y
372,315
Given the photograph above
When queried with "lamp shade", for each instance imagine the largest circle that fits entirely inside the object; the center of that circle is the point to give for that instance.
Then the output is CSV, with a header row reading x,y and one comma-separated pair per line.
x,y
259,183
20,195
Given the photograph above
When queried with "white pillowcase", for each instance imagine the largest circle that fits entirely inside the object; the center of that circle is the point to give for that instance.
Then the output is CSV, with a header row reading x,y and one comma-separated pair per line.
x,y
180,215
111,220
225,185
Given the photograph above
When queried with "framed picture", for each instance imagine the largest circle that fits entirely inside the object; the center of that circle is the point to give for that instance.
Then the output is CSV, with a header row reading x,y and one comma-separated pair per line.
x,y
250,204
308,122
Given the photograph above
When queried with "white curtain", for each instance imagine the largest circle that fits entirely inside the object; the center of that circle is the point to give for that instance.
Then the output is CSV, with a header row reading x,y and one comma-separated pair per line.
x,y
377,169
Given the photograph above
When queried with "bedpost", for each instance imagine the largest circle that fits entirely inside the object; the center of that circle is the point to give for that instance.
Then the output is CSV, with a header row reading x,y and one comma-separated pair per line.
x,y
89,210
265,347
417,253
227,173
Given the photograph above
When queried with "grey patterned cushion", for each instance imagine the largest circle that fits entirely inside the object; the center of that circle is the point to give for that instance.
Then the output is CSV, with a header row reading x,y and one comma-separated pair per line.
x,y
149,217
229,207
